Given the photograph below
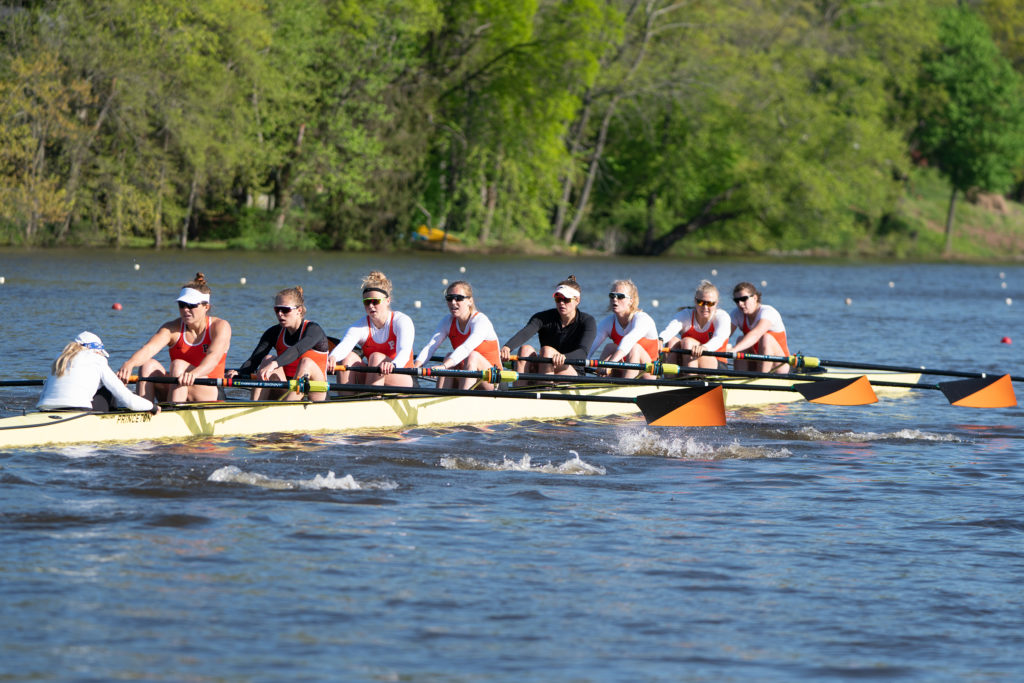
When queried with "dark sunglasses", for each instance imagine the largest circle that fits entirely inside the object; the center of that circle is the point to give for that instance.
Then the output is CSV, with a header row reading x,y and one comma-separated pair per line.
x,y
182,304
284,309
740,299
375,301
559,299
702,302
455,297
617,295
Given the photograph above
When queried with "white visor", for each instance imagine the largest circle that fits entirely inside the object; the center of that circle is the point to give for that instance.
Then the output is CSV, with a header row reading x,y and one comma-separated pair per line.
x,y
91,341
188,295
567,291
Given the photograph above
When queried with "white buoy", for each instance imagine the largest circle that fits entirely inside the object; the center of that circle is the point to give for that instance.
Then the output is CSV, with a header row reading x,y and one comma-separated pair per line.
x,y
462,269
714,271
309,269
849,301
1003,285
891,284
764,283
444,281
241,280
1002,276
137,266
416,304
2,279
1009,301
654,302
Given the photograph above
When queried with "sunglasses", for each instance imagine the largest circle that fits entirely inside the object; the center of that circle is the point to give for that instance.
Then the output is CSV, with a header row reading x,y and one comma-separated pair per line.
x,y
455,297
617,295
374,300
559,299
740,299
702,302
182,304
284,309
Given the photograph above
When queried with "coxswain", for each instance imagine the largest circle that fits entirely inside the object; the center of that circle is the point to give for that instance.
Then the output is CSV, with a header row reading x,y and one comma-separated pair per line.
x,y
81,379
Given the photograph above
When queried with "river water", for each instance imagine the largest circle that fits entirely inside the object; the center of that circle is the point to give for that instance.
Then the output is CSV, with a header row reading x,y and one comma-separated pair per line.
x,y
800,542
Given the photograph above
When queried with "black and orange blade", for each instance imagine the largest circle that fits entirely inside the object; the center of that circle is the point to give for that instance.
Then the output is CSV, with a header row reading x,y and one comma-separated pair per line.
x,y
855,391
985,392
690,407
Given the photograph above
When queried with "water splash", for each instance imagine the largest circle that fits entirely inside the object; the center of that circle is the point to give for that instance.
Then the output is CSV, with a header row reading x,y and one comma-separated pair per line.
x,y
815,434
574,465
647,442
234,475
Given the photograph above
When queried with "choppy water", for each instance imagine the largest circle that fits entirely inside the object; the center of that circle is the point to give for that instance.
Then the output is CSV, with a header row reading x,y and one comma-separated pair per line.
x,y
798,542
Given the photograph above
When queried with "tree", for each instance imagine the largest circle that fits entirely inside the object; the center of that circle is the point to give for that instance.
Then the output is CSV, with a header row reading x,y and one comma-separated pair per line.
x,y
972,110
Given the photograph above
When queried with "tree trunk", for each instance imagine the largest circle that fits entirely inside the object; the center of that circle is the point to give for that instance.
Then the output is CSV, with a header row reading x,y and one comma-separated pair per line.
x,y
949,223
190,209
78,159
283,192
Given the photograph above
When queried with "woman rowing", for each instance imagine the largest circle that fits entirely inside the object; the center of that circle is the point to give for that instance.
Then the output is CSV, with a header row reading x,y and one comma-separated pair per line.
x,y
633,333
763,331
704,327
80,379
564,333
384,336
474,343
294,347
198,345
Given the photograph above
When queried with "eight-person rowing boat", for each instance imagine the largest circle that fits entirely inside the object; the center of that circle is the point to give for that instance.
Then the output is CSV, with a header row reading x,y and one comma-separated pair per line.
x,y
381,387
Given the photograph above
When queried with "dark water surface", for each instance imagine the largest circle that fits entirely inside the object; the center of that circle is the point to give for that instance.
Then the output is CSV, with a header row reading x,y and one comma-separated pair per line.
x,y
798,542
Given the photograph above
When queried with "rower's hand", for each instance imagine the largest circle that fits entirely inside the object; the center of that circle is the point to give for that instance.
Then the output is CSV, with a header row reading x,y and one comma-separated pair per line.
x,y
417,364
558,359
125,373
266,371
186,379
231,373
697,350
387,367
505,353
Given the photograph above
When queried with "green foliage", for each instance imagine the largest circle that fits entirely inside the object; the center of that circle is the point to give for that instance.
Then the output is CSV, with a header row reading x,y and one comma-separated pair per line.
x,y
715,125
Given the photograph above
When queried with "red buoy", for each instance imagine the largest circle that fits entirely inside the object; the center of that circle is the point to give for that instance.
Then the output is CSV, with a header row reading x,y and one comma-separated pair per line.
x,y
1005,340
116,306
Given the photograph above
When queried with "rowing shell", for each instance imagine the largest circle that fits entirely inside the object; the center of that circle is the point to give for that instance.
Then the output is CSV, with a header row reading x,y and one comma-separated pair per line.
x,y
245,418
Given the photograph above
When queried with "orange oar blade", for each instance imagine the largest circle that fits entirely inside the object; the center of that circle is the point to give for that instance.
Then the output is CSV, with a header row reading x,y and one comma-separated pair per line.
x,y
856,391
980,393
691,407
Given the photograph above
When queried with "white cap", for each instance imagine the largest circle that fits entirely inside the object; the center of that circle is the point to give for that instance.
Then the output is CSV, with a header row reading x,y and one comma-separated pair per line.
x,y
91,341
193,296
566,291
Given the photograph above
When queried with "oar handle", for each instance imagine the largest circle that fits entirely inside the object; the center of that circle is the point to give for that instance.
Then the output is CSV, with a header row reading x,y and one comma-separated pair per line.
x,y
493,375
797,361
653,368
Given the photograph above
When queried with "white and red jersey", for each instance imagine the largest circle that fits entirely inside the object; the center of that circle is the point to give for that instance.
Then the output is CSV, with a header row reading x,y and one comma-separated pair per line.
x,y
640,330
478,336
713,335
394,339
775,326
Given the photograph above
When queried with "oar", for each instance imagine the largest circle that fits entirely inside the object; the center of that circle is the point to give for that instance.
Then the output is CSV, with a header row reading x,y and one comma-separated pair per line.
x,y
689,407
980,391
844,392
22,382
